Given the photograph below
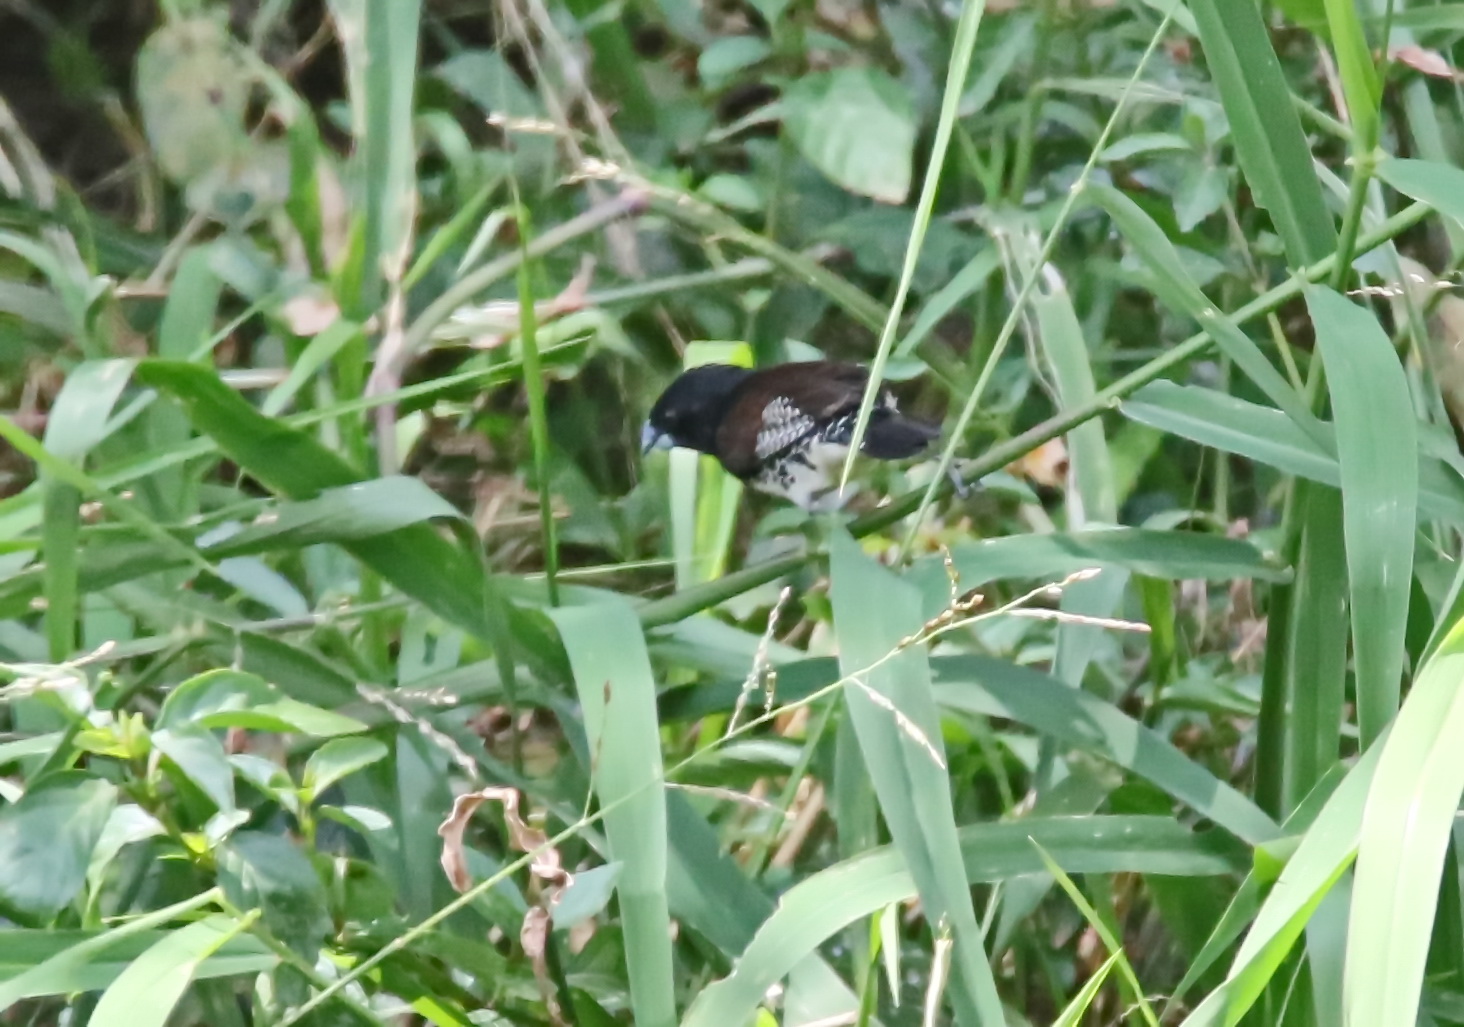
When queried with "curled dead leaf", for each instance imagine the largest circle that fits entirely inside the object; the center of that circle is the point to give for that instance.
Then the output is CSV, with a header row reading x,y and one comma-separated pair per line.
x,y
545,866
534,937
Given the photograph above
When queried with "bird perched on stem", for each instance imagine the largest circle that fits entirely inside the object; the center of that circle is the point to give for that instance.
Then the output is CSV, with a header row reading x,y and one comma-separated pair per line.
x,y
783,430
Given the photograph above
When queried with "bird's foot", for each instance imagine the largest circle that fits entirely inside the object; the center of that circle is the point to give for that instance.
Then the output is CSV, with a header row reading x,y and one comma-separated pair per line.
x,y
959,485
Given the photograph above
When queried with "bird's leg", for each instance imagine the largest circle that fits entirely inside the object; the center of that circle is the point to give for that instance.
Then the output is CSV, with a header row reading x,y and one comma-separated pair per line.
x,y
962,489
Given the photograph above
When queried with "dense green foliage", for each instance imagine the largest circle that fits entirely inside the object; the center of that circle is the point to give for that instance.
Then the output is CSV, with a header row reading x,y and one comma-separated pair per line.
x,y
357,669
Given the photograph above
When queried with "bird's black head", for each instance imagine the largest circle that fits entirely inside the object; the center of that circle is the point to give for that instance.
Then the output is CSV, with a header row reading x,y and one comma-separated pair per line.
x,y
690,410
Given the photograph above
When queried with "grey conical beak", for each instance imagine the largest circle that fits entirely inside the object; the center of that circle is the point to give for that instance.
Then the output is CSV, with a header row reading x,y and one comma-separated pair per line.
x,y
653,439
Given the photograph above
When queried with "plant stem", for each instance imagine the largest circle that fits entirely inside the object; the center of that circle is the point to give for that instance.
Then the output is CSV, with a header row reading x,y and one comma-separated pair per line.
x,y
538,417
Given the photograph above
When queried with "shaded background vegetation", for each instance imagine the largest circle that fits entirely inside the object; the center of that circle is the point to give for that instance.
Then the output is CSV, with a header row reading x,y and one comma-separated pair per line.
x,y
359,669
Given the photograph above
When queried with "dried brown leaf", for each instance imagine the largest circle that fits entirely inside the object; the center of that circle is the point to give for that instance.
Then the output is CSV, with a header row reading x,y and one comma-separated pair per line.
x,y
1047,465
1429,62
546,865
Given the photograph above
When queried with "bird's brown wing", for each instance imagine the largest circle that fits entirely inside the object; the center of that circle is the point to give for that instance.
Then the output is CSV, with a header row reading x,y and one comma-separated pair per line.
x,y
777,406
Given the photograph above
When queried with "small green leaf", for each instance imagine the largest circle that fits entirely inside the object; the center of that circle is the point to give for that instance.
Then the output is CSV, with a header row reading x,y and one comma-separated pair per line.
x,y
856,125
587,896
729,55
200,757
338,758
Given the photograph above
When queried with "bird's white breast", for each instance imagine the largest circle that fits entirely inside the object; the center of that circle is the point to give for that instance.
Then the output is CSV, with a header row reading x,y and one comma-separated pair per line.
x,y
808,475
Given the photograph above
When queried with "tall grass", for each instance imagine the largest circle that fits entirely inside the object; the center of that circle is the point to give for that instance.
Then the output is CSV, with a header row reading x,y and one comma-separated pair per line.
x,y
324,508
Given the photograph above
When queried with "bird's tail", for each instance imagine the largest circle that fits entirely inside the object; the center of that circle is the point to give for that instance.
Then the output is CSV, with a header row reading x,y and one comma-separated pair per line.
x,y
892,437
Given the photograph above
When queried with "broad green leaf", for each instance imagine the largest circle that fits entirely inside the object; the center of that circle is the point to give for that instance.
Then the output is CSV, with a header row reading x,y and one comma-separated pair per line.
x,y
269,872
727,56
617,694
199,756
857,126
46,842
1439,185
230,698
192,90
587,896
1379,475
892,706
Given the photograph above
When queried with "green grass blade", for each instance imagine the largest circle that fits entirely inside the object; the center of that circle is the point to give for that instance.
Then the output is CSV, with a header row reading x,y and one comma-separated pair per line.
x,y
1074,1012
1324,855
1268,139
995,688
379,38
964,283
1174,286
617,693
1380,476
873,612
1260,433
145,994
416,558
1103,930
534,388
1067,356
1093,498
704,497
318,353
1411,806
1317,657
1019,301
962,48
826,902
64,971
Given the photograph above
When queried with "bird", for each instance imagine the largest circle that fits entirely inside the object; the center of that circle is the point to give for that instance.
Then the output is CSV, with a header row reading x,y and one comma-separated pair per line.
x,y
785,429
